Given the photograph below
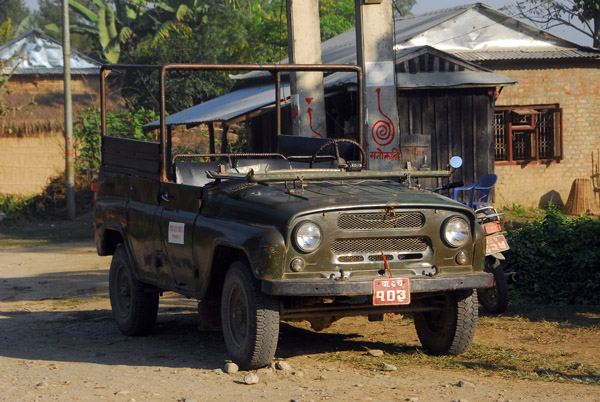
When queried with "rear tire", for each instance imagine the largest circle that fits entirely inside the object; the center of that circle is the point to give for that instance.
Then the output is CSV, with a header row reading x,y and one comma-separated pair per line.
x,y
451,329
250,319
495,299
134,304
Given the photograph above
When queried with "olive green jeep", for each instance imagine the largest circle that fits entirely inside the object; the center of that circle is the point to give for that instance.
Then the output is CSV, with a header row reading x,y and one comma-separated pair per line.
x,y
260,239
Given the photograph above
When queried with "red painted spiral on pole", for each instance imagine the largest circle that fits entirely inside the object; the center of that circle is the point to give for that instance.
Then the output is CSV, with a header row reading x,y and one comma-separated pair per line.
x,y
383,131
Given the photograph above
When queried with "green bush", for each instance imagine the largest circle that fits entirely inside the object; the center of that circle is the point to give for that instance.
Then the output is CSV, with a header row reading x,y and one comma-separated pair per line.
x,y
50,204
124,123
557,259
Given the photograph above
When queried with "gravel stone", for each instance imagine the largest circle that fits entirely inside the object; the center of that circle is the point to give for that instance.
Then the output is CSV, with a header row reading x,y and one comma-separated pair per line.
x,y
388,367
231,368
375,352
251,378
462,383
281,365
577,366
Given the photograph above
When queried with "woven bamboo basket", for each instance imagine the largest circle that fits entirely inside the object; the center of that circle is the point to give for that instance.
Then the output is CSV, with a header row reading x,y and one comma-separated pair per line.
x,y
582,199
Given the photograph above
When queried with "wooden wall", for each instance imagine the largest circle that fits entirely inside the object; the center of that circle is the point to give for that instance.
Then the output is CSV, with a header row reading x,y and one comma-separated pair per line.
x,y
453,122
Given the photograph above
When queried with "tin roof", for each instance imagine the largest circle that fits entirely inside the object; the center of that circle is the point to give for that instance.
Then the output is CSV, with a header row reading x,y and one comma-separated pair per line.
x,y
226,107
36,53
473,32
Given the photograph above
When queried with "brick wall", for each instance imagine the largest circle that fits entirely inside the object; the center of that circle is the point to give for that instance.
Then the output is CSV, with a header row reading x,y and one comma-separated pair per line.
x,y
577,90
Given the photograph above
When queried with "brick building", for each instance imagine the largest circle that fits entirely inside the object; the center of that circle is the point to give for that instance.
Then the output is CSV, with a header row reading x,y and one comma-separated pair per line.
x,y
547,125
571,87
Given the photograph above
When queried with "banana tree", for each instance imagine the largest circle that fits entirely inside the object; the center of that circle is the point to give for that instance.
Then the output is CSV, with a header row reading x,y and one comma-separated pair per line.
x,y
114,27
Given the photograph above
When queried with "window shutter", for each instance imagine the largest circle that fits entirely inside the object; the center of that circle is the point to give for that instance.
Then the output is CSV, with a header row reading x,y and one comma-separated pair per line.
x,y
558,151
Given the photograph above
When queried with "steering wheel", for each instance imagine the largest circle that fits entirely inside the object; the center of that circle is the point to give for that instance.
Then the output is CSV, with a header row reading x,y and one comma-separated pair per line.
x,y
335,142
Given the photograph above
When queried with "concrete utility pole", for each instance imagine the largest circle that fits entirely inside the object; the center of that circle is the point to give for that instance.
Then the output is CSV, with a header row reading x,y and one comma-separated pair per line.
x,y
308,100
375,50
69,151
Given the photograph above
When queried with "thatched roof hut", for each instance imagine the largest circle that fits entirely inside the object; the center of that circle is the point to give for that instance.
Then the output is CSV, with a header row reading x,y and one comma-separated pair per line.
x,y
32,137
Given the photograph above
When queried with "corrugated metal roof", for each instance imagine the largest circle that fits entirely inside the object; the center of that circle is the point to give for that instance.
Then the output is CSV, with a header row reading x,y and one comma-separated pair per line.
x,y
242,101
226,107
37,53
475,56
476,28
455,79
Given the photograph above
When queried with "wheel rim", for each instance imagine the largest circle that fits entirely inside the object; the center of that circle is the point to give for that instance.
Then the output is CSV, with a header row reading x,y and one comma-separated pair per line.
x,y
123,292
489,296
437,320
238,316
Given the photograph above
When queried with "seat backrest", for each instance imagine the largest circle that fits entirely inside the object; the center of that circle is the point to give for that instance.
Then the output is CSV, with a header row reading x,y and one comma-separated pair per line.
x,y
194,173
487,181
482,189
267,163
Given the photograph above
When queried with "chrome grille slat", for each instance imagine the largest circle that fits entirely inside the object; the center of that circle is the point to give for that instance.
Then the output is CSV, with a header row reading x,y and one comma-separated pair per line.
x,y
378,244
381,220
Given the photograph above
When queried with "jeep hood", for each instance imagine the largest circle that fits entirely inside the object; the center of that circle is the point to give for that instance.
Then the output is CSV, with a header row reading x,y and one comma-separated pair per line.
x,y
278,203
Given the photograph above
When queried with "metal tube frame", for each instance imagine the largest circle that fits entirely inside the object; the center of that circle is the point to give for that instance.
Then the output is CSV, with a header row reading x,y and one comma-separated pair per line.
x,y
273,68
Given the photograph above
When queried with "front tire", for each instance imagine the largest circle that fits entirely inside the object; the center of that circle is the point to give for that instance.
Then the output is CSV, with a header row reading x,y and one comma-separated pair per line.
x,y
134,304
451,328
495,299
250,319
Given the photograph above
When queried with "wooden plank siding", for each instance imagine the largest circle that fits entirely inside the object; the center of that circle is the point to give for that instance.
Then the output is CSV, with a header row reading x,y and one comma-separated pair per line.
x,y
458,121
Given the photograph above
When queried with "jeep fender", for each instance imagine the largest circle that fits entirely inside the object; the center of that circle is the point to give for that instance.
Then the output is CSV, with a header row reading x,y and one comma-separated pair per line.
x,y
262,245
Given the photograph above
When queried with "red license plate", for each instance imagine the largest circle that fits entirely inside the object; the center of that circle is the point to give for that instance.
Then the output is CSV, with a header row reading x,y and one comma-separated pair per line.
x,y
495,244
492,227
391,291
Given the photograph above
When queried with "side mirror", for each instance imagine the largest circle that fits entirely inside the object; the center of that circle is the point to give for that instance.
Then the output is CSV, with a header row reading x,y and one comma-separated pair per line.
x,y
456,162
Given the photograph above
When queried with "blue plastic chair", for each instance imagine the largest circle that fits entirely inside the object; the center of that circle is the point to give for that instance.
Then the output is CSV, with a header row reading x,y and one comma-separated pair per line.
x,y
480,191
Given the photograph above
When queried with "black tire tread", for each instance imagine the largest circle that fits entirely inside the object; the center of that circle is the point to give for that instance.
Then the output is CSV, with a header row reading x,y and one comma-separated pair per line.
x,y
144,303
459,325
466,323
262,344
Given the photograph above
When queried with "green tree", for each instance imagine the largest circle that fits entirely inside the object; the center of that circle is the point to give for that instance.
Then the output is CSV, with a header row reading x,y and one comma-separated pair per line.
x,y
581,15
121,24
217,31
15,10
7,32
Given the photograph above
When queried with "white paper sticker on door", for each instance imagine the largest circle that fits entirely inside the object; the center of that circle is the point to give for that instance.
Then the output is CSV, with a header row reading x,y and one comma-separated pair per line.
x,y
176,231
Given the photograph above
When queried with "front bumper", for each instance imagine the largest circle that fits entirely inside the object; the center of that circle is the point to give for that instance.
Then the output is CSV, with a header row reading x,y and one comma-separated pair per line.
x,y
331,287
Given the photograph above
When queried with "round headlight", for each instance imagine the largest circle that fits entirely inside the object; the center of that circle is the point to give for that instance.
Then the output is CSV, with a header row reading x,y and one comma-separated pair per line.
x,y
456,231
308,236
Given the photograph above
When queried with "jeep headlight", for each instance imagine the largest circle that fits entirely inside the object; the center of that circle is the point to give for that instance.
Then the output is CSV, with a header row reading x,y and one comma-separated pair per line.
x,y
308,236
456,231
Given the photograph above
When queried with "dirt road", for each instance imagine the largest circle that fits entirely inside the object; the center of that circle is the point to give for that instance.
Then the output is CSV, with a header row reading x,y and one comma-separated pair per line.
x,y
58,343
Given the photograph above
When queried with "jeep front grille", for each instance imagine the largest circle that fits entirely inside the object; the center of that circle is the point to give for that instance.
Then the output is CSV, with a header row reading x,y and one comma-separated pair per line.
x,y
378,244
369,221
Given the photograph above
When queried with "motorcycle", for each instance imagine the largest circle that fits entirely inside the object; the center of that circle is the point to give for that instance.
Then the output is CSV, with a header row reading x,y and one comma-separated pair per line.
x,y
495,299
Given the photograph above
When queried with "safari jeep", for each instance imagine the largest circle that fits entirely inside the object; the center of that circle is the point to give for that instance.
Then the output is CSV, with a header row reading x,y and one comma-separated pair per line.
x,y
258,239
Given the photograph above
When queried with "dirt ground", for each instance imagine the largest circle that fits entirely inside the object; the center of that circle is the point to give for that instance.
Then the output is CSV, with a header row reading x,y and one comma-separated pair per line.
x,y
58,343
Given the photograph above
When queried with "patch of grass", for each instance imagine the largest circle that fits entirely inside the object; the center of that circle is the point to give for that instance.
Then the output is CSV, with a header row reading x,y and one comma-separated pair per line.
x,y
486,360
518,216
